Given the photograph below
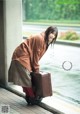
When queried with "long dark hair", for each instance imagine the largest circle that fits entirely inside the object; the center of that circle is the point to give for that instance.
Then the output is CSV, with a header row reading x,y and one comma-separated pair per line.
x,y
49,30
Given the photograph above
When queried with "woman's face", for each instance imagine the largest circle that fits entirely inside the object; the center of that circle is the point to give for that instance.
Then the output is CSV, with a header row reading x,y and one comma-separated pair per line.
x,y
51,37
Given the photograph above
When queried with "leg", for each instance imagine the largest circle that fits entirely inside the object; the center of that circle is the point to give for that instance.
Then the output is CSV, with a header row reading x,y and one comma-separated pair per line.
x,y
30,96
28,91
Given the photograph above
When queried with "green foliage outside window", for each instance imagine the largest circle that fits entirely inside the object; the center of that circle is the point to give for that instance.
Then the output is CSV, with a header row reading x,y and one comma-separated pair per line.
x,y
51,10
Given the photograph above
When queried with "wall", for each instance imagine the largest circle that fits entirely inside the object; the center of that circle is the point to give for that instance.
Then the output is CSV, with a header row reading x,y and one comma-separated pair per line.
x,y
10,33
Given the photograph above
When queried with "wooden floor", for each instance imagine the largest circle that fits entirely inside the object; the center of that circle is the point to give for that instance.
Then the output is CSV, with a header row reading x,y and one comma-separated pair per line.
x,y
18,105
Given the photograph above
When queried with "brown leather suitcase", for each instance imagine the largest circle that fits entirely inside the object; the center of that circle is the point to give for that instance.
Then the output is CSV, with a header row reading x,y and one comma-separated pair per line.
x,y
42,84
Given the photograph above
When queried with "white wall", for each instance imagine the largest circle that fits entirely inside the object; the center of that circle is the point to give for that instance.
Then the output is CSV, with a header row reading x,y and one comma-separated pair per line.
x,y
12,29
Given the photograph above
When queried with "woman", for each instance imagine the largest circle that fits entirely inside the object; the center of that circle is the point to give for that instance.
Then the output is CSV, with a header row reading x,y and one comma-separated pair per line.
x,y
25,60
